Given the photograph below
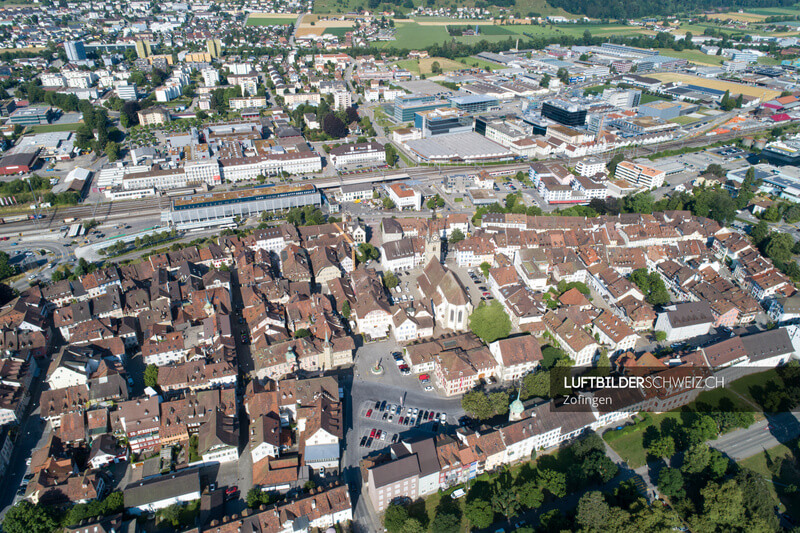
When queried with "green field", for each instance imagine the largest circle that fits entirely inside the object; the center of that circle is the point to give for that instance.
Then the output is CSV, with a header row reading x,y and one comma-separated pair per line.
x,y
769,61
47,128
339,32
647,98
411,35
269,21
787,474
477,62
773,11
695,56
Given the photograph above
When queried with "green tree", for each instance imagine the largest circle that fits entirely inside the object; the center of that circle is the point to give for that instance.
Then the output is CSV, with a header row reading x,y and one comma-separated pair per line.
x,y
24,517
499,401
391,154
593,511
545,81
390,280
490,322
346,309
530,495
456,236
504,496
760,232
479,512
662,447
413,525
395,517
172,514
536,384
301,333
366,252
696,458
478,405
485,267
779,247
446,522
612,164
112,151
553,481
661,336
151,376
6,270
388,203
670,483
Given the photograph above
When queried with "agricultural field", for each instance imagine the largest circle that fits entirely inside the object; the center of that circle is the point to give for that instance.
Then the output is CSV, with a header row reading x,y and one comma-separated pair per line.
x,y
774,11
271,19
423,32
738,17
734,88
321,26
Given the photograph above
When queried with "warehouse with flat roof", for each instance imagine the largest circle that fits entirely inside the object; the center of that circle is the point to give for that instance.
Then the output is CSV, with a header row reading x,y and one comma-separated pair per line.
x,y
467,147
221,207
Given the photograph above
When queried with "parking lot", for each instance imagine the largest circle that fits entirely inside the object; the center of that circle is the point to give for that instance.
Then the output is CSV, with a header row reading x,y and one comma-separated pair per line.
x,y
385,423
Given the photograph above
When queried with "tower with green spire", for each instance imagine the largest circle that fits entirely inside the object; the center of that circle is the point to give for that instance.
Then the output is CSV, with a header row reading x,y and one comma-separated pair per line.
x,y
516,407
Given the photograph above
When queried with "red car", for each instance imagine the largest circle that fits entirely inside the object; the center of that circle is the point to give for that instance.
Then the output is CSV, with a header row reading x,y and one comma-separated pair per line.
x,y
424,378
430,416
372,433
400,420
378,434
369,413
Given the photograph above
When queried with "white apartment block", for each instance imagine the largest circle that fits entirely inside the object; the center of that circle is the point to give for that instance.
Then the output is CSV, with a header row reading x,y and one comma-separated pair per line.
x,y
238,104
640,175
210,77
270,165
203,171
342,100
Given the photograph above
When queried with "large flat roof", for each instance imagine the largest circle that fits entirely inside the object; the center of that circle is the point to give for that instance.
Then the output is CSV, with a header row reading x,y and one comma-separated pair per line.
x,y
240,194
468,145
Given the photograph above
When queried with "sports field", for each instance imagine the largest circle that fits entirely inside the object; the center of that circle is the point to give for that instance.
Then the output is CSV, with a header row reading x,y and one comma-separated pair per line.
x,y
734,88
694,56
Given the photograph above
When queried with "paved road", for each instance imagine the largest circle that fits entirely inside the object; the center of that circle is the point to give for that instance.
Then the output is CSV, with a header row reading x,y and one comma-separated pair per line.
x,y
762,435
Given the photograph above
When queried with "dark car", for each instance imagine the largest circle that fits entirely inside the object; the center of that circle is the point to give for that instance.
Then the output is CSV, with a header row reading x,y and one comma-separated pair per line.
x,y
383,405
377,405
369,442
363,441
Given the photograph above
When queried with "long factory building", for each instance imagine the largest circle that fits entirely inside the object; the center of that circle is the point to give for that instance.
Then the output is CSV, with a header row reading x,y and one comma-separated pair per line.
x,y
212,209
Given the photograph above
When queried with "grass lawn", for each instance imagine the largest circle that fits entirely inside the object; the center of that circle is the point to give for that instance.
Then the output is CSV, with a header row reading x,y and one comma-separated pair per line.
x,y
269,21
683,120
628,442
477,62
769,61
786,476
596,89
774,11
694,56
647,98
47,128
749,386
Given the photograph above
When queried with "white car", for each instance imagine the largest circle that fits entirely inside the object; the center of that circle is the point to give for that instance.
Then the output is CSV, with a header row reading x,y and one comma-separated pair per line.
x,y
443,418
428,388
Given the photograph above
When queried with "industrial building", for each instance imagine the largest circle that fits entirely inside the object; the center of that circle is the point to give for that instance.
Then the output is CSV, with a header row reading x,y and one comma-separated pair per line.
x,y
31,116
442,121
473,103
467,147
405,107
221,207
564,112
